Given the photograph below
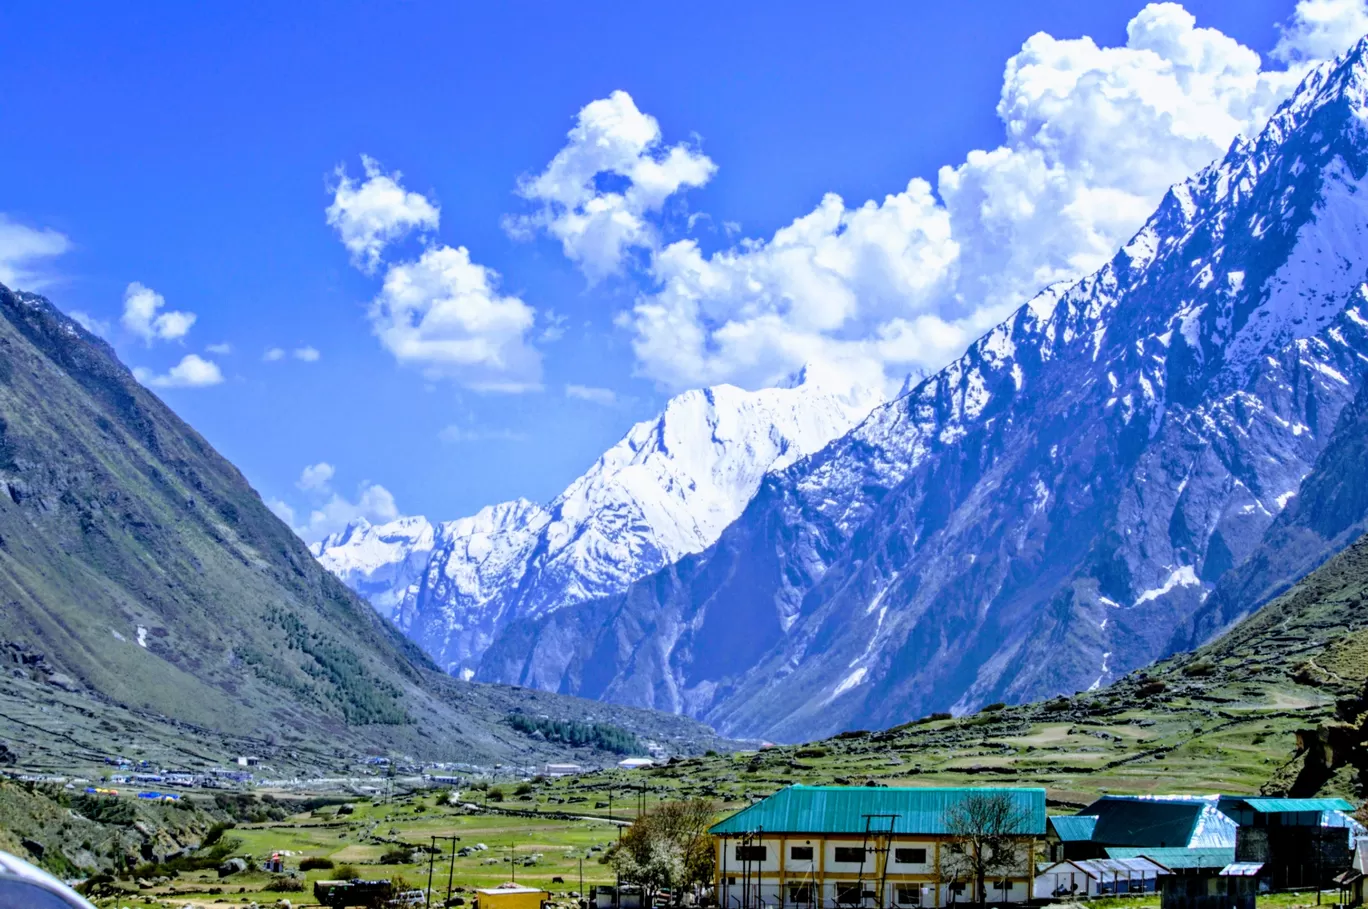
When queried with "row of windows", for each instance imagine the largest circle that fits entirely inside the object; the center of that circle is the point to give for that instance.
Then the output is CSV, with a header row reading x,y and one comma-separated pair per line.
x,y
855,892
853,855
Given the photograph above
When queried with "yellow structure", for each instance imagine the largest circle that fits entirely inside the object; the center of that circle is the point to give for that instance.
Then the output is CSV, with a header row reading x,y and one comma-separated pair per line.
x,y
511,896
849,847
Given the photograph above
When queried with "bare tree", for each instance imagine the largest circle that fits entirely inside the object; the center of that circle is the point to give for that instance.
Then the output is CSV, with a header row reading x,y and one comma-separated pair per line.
x,y
669,847
989,831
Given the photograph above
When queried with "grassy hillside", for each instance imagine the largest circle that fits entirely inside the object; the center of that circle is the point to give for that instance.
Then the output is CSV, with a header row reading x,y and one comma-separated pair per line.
x,y
146,589
1225,718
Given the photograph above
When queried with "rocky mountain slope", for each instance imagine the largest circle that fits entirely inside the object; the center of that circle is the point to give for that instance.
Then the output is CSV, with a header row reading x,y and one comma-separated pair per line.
x,y
145,586
666,490
1041,515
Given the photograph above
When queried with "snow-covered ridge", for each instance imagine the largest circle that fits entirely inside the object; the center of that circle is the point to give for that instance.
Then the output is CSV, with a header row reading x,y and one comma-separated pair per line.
x,y
1040,515
667,489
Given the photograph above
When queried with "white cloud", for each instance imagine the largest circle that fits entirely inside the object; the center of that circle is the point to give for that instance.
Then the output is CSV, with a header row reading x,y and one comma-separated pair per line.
x,y
307,354
273,354
90,323
331,511
191,372
444,314
453,435
374,503
595,194
1320,29
143,317
1094,136
222,349
282,510
316,477
22,252
605,396
553,327
369,215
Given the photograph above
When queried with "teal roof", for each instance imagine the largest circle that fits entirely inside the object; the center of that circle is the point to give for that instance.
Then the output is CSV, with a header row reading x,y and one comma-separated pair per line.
x,y
1163,822
1175,859
1283,806
1074,828
842,809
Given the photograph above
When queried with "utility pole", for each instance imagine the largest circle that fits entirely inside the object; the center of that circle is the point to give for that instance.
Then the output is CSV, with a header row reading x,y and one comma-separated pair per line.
x,y
581,889
451,871
432,854
512,863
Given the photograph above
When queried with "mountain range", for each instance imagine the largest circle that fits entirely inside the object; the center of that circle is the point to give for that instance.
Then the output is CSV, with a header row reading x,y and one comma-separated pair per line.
x,y
1121,469
665,490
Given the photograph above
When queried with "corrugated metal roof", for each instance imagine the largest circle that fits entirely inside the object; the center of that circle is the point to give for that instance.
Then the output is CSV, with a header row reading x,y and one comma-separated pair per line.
x,y
1283,806
1074,828
1242,869
1178,858
842,809
1134,822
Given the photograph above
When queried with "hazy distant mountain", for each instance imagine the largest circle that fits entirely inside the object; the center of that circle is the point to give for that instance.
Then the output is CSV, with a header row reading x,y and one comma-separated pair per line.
x,y
666,490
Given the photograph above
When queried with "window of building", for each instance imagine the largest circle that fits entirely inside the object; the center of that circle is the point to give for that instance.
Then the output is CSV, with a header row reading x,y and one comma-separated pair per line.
x,y
752,853
909,856
852,854
800,893
848,894
957,888
907,895
1002,885
800,853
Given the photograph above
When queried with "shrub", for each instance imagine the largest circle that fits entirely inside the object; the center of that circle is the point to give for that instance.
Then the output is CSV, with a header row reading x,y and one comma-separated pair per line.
x,y
345,873
818,752
1199,668
396,856
993,708
1150,687
316,863
283,884
216,833
523,789
495,794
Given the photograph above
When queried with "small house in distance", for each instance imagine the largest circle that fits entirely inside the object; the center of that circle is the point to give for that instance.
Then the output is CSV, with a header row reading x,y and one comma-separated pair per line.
x,y
851,847
559,770
635,763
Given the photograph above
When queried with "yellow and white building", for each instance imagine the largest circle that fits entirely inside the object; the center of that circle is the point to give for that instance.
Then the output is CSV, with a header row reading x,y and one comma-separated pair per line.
x,y
850,847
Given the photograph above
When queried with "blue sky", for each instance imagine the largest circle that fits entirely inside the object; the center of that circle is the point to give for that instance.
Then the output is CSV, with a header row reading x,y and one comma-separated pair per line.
x,y
193,149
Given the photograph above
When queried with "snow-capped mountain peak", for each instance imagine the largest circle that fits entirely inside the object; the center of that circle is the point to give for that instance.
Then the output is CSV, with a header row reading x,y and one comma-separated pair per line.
x,y
666,489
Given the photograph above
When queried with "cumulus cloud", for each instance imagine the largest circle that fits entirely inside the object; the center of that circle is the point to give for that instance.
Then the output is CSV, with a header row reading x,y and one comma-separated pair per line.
x,y
370,214
191,372
143,317
222,349
91,323
330,511
273,354
1094,136
595,195
1320,29
307,354
444,314
605,396
316,477
23,253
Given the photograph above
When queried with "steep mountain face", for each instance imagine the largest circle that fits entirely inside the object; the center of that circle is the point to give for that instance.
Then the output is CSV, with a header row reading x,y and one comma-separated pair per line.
x,y
143,582
1329,512
666,490
1041,515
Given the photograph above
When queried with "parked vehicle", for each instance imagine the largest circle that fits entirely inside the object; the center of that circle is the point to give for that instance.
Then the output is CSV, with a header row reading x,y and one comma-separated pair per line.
x,y
365,894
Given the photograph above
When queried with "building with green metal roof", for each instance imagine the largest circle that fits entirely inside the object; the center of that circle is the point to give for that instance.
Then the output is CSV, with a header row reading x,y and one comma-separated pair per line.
x,y
856,847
